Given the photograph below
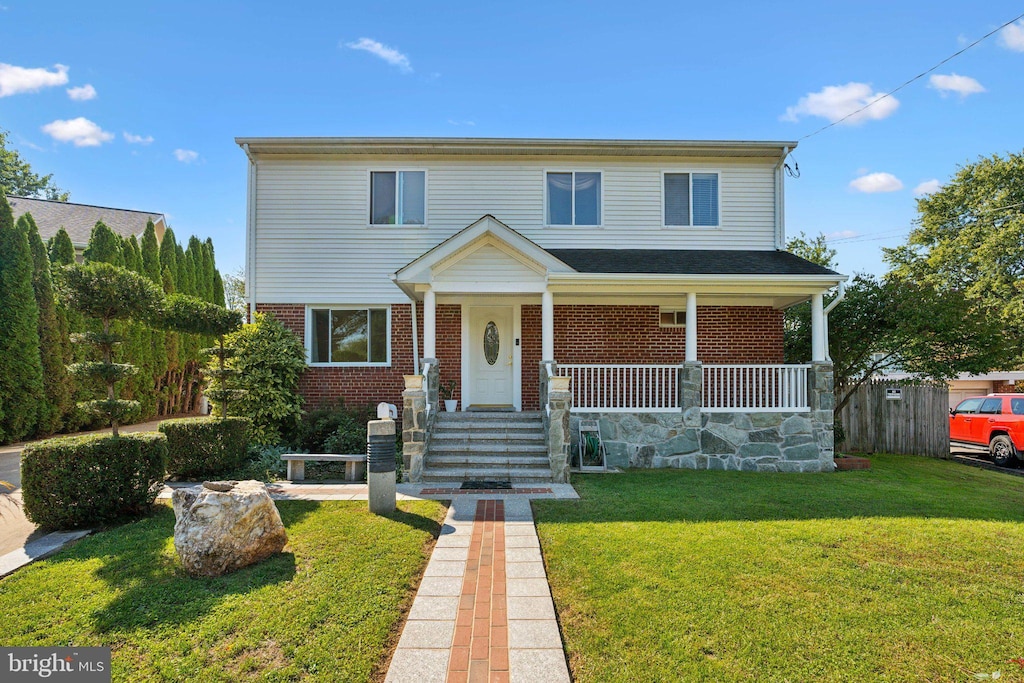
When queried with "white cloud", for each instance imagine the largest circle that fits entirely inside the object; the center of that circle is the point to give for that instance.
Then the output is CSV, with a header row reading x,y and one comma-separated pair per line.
x,y
833,102
877,182
927,187
961,85
388,54
1012,37
842,235
82,93
17,79
185,156
137,139
81,131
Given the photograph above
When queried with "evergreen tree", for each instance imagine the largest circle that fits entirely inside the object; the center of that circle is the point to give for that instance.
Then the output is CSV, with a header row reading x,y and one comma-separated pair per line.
x,y
218,289
150,253
53,340
21,372
182,277
132,255
104,246
169,255
194,253
62,251
209,270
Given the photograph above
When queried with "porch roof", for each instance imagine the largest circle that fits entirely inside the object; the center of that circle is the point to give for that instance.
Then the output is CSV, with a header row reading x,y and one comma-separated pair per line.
x,y
688,262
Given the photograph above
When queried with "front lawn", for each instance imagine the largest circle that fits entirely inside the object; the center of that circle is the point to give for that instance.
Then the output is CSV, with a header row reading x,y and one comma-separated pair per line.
x,y
910,571
326,609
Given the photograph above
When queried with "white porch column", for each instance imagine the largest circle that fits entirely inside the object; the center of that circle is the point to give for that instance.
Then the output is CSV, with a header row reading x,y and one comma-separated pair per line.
x,y
691,327
818,341
429,324
547,326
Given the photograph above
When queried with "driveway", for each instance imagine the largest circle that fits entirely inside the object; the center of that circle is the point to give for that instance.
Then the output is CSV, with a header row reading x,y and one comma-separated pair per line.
x,y
15,529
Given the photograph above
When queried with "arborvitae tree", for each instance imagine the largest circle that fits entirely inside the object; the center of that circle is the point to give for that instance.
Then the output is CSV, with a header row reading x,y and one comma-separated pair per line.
x,y
182,278
209,270
53,340
195,254
108,293
138,345
150,249
21,372
62,251
104,246
132,254
218,289
169,254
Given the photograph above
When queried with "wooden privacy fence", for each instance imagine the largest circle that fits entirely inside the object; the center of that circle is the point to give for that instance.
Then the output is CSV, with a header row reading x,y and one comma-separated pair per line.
x,y
894,417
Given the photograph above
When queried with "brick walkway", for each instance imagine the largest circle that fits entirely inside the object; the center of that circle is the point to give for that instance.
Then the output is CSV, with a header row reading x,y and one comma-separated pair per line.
x,y
483,611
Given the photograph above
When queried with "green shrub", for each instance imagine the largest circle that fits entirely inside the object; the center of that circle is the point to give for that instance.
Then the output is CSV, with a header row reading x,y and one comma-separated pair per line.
x,y
202,446
263,463
269,359
332,422
89,480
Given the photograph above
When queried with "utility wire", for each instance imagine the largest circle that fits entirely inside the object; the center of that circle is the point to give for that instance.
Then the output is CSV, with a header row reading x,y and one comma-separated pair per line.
x,y
915,78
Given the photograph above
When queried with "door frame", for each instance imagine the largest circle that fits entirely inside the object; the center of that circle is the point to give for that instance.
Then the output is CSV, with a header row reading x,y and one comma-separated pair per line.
x,y
517,349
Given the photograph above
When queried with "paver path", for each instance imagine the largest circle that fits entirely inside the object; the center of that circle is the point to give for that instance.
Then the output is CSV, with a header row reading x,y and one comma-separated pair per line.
x,y
483,611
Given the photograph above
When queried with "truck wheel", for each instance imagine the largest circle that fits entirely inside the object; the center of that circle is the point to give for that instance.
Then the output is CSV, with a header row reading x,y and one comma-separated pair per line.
x,y
1002,450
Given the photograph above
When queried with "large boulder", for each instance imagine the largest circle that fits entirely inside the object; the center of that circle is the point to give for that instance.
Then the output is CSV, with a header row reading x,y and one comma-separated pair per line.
x,y
222,526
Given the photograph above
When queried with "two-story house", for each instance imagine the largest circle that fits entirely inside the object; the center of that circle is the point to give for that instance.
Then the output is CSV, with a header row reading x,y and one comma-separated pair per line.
x,y
643,281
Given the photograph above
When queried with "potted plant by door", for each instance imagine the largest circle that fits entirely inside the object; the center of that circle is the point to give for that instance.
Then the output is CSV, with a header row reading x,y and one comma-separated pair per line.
x,y
447,390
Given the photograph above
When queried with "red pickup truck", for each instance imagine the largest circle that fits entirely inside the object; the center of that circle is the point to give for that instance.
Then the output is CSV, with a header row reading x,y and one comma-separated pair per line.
x,y
993,423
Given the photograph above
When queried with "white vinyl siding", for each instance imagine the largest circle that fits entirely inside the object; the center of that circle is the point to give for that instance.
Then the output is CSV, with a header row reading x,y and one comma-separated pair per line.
x,y
488,263
313,243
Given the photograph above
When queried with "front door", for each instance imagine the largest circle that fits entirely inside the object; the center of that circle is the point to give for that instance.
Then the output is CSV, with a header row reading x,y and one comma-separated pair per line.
x,y
491,356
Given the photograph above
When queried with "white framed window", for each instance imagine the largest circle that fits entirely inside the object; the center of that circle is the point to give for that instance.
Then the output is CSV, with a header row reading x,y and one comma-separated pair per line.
x,y
398,197
348,335
672,317
690,198
573,197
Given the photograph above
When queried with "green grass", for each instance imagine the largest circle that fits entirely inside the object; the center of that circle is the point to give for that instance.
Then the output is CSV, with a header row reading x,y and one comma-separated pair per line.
x,y
325,609
911,571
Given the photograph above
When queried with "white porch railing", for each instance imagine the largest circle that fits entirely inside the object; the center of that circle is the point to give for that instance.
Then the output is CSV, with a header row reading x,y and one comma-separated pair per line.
x,y
655,388
623,388
755,388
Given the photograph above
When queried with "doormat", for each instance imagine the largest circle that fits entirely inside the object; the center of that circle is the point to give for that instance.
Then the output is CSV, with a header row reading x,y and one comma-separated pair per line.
x,y
486,484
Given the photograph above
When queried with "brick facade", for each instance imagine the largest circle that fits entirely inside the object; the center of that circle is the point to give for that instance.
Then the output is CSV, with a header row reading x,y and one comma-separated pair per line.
x,y
583,334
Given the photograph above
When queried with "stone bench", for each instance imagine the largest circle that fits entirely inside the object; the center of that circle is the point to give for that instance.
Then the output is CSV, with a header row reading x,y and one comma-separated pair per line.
x,y
355,465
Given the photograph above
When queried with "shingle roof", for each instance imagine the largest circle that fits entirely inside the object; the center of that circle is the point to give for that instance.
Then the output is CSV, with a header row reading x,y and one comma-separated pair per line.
x,y
79,219
688,262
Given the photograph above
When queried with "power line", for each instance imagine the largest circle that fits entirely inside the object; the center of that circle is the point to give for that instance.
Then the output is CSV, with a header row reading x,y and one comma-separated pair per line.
x,y
915,78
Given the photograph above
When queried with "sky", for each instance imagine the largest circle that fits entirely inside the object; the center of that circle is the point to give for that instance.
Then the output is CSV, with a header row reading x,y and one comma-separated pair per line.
x,y
136,105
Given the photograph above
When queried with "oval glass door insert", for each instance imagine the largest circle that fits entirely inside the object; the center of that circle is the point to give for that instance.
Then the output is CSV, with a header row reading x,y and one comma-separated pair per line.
x,y
491,343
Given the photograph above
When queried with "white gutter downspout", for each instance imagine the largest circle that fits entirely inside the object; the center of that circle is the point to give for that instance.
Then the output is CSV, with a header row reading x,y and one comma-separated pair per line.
x,y
780,199
832,304
250,233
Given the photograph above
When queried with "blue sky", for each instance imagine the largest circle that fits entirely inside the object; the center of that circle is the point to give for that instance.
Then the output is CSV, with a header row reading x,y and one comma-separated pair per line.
x,y
173,83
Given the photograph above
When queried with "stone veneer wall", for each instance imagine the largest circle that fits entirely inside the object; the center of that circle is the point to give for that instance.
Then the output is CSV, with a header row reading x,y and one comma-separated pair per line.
x,y
756,442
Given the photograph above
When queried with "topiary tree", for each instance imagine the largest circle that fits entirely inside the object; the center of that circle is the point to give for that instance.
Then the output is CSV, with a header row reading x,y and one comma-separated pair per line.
x,y
190,314
108,293
53,339
21,372
269,359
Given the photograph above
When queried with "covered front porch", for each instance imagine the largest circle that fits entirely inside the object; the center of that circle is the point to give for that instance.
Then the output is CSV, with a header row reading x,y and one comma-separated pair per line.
x,y
678,363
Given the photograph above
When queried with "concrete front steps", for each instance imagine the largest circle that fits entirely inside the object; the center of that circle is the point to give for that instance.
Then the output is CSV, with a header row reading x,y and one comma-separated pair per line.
x,y
488,445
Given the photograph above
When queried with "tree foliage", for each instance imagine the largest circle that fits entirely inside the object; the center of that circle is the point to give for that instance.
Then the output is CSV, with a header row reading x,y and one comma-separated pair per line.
x,y
269,359
108,293
21,372
969,238
17,178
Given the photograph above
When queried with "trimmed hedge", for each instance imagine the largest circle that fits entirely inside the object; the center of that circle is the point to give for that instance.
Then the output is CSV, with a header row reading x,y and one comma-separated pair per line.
x,y
202,446
88,480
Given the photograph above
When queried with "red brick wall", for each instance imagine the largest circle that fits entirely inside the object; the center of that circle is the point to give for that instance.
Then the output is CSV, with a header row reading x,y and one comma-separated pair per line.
x,y
583,334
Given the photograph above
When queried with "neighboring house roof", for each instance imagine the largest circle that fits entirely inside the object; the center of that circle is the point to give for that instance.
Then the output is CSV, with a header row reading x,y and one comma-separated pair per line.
x,y
995,376
688,262
79,219
515,147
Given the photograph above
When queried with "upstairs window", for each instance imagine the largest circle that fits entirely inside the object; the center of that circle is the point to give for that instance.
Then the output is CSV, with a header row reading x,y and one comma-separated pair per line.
x,y
398,197
691,199
352,336
574,198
